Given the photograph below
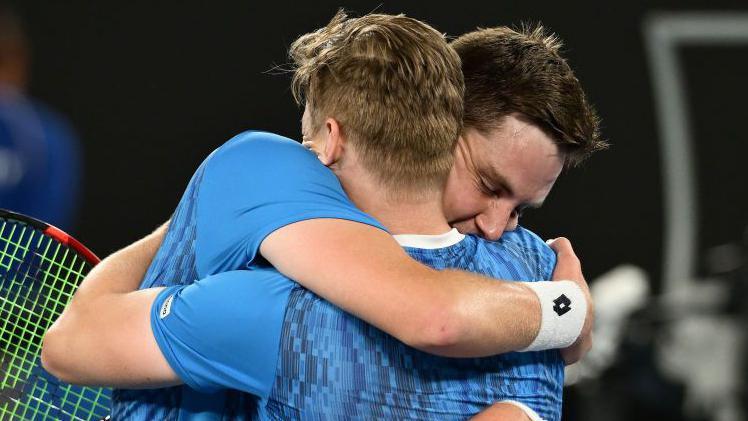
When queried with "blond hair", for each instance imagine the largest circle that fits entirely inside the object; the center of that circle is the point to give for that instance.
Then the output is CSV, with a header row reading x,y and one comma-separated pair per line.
x,y
394,86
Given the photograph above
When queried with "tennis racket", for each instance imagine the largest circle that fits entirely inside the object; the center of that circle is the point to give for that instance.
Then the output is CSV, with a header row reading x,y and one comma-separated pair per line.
x,y
40,269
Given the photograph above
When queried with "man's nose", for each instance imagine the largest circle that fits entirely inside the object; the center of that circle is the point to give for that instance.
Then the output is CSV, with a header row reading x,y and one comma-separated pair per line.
x,y
493,221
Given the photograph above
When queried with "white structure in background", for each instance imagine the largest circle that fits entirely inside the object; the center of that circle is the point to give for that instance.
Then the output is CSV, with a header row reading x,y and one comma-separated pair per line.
x,y
617,294
701,350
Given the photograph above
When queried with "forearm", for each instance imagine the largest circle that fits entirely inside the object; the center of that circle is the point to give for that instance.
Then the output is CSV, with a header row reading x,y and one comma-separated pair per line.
x,y
122,271
103,336
486,316
447,313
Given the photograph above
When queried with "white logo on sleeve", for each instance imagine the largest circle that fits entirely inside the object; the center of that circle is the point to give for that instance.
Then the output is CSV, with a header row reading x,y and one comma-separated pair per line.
x,y
166,307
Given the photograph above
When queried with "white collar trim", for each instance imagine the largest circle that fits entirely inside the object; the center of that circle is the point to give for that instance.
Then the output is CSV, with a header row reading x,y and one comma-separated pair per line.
x,y
447,239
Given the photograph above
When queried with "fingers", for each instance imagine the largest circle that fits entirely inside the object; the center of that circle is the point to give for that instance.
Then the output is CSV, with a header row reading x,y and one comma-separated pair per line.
x,y
576,351
570,355
561,245
569,267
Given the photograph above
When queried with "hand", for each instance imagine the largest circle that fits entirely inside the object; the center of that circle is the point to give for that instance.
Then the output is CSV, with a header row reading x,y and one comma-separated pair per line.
x,y
569,268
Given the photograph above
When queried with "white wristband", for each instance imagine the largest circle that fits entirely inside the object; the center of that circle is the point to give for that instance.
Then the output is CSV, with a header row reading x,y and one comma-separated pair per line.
x,y
563,308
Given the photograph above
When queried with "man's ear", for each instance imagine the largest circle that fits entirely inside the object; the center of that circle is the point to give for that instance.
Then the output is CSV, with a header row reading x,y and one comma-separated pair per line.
x,y
334,142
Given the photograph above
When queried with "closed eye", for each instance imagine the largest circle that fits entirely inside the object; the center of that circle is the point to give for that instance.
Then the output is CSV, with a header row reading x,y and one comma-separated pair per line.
x,y
521,209
486,189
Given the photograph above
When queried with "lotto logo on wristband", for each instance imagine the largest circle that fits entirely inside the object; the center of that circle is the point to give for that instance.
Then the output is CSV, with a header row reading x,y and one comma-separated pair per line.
x,y
562,305
561,321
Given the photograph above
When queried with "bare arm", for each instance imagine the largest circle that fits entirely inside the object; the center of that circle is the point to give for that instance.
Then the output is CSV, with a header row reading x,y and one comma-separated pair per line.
x,y
104,336
451,313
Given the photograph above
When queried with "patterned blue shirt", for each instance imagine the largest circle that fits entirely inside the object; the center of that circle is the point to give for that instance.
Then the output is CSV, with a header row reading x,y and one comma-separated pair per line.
x,y
332,365
335,366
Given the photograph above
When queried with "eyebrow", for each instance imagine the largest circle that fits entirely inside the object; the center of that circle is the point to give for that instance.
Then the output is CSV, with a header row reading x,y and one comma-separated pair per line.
x,y
507,186
495,177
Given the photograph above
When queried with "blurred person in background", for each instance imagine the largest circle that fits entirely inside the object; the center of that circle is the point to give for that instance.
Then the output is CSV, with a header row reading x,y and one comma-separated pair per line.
x,y
39,153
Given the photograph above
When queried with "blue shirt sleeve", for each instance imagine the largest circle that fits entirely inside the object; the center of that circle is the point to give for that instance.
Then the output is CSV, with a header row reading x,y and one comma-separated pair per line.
x,y
224,331
255,184
533,250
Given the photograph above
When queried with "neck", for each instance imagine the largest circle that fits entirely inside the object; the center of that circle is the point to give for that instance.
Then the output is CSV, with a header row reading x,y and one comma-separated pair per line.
x,y
400,213
403,217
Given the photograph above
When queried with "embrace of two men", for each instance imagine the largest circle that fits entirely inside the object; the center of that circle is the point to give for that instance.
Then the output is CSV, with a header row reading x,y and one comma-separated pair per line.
x,y
375,271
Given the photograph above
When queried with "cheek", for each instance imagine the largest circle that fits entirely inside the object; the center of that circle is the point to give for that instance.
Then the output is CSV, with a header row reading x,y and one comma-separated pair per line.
x,y
462,198
462,201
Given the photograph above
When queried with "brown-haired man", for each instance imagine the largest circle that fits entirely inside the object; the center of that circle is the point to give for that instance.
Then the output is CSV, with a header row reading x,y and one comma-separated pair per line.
x,y
521,97
382,307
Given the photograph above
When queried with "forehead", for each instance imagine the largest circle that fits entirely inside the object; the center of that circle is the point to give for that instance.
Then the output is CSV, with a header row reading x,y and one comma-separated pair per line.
x,y
520,154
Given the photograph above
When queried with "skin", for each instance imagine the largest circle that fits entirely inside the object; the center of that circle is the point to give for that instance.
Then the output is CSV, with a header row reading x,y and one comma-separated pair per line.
x,y
107,317
458,318
471,185
498,175
502,412
448,313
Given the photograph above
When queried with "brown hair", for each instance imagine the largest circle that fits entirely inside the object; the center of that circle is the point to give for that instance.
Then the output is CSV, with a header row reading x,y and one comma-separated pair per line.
x,y
521,71
396,88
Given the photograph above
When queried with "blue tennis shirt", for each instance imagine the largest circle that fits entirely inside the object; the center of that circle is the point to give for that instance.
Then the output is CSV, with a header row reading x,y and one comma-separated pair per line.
x,y
331,365
287,353
252,185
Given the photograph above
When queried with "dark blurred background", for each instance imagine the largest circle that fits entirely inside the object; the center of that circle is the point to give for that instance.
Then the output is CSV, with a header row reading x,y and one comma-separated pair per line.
x,y
152,87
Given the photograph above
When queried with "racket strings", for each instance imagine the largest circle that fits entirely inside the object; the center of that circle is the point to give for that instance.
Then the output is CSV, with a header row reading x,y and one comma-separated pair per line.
x,y
38,277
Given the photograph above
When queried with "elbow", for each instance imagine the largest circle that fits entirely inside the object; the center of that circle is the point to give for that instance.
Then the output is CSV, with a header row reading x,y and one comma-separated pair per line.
x,y
440,333
441,339
54,350
60,355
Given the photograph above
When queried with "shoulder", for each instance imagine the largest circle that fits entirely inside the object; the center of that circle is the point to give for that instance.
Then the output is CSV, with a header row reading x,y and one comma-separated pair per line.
x,y
266,153
526,246
254,142
525,239
534,249
519,239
